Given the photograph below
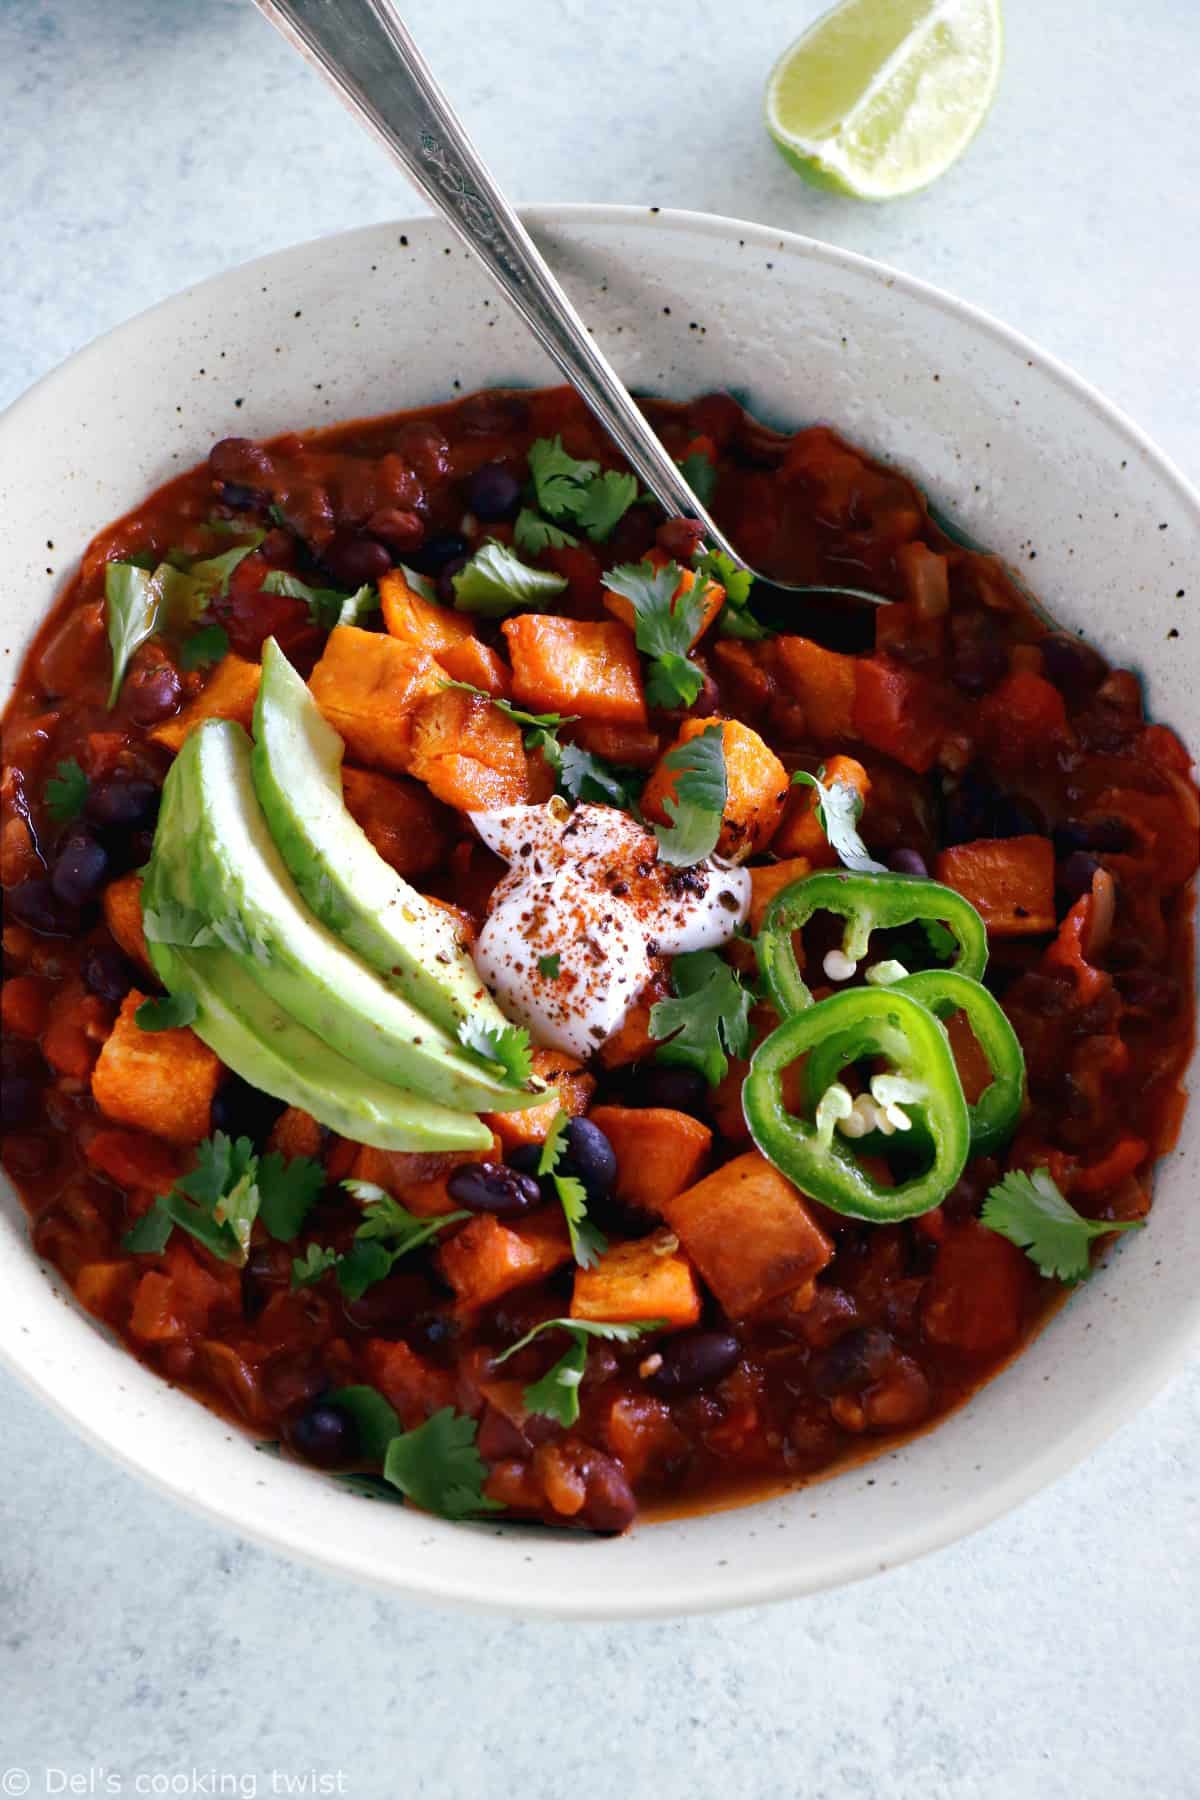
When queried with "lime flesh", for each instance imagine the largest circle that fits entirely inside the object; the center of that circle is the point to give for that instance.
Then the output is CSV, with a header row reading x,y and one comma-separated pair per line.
x,y
879,97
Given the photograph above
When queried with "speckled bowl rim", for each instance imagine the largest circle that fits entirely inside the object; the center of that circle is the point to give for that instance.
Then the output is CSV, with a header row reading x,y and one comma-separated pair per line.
x,y
724,1587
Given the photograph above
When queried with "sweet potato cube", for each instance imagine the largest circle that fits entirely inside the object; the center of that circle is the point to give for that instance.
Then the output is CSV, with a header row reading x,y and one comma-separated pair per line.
x,y
750,1234
424,624
487,1259
468,753
633,1039
1009,882
122,903
647,1279
823,681
757,787
162,1082
771,879
368,686
576,666
478,664
801,832
401,818
297,1133
659,1151
573,1089
899,711
230,693
714,597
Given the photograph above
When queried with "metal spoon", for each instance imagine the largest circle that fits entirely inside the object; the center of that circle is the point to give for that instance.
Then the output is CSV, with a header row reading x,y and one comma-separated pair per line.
x,y
364,51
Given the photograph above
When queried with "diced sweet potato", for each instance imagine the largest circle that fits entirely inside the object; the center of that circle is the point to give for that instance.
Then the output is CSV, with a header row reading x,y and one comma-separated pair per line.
x,y
1009,881
757,787
823,681
659,1151
424,624
416,1388
133,1160
401,818
154,1318
230,693
487,1259
468,753
633,1039
296,1133
162,1082
419,1178
105,1288
574,1089
479,664
369,686
646,1279
634,746
771,879
122,905
801,833
714,597
750,1234
898,711
589,668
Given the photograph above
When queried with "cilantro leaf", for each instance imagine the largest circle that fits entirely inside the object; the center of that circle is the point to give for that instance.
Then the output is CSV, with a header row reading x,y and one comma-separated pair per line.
x,y
388,1231
548,966
736,620
536,534
588,1242
165,1012
362,1265
698,804
664,627
1032,1212
541,729
496,580
131,601
327,606
149,1235
203,647
254,534
216,1202
310,1267
559,479
606,500
66,791
709,1015
510,1048
582,776
288,1191
212,573
839,808
376,1421
556,1394
438,1466
700,473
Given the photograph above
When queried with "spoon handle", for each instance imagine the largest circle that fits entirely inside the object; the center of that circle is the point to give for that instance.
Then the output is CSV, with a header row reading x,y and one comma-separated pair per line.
x,y
367,55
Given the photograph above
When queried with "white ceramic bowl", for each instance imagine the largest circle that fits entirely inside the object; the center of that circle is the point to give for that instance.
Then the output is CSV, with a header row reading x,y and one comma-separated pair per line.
x,y
1019,451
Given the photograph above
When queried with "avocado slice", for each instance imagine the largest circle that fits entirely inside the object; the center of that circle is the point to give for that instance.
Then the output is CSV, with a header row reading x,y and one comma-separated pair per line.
x,y
215,876
258,1041
339,873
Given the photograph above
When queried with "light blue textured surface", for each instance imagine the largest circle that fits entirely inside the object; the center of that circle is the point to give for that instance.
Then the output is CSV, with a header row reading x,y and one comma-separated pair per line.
x,y
147,143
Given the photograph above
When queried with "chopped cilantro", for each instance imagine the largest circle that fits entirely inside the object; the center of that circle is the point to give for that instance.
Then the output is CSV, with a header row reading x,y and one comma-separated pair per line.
x,y
66,791
736,620
388,1231
588,1242
582,776
288,1191
1032,1212
165,1012
709,1015
536,534
206,646
496,580
556,1395
216,1202
131,601
606,500
310,1267
438,1466
376,1421
510,1048
698,804
839,808
212,574
700,473
327,606
548,966
581,492
664,627
559,479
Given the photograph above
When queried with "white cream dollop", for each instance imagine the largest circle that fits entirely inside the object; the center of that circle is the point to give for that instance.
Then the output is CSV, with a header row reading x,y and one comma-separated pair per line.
x,y
586,886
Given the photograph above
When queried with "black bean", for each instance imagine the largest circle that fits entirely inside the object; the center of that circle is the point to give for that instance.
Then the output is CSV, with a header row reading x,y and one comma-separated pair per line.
x,y
240,460
679,1090
108,972
122,803
1073,876
445,579
324,1435
908,862
35,904
80,870
1014,817
609,1506
439,550
152,692
692,1360
20,1101
357,560
680,539
589,1156
1073,666
493,492
854,1361
240,498
290,1377
487,1187
979,658
1104,833
240,1110
390,1307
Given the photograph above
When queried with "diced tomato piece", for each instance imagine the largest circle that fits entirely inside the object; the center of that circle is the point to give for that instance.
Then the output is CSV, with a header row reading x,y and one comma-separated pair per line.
x,y
897,710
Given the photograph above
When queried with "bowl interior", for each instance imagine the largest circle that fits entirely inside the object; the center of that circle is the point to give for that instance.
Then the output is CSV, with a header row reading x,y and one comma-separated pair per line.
x,y
1011,446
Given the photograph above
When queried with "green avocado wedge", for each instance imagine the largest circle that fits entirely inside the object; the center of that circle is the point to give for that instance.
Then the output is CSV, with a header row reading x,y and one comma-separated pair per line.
x,y
340,875
216,877
250,1034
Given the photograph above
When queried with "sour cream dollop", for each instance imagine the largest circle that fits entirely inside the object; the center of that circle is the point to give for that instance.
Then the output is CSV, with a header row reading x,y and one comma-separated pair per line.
x,y
586,887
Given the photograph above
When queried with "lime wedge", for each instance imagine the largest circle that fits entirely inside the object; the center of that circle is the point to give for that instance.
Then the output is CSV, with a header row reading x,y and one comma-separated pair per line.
x,y
880,96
